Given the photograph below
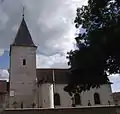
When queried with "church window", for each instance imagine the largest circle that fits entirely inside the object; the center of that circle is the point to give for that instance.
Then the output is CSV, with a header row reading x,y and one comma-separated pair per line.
x,y
56,99
77,99
97,98
24,62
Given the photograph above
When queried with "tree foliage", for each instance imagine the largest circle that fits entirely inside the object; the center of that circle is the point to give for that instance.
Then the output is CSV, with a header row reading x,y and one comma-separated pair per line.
x,y
98,48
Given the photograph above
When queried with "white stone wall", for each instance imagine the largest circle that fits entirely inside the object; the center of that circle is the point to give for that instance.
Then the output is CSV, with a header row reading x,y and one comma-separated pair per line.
x,y
104,92
22,77
46,95
65,100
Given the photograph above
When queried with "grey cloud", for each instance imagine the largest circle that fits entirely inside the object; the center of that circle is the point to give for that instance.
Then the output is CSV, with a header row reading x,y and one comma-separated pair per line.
x,y
115,79
48,22
54,61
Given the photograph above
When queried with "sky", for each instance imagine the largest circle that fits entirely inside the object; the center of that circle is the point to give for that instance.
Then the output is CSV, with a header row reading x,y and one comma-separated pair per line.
x,y
51,24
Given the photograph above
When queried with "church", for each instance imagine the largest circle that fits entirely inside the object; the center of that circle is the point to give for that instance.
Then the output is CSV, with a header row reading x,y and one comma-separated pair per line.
x,y
43,88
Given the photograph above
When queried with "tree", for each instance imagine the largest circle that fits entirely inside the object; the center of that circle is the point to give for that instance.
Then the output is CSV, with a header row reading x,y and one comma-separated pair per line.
x,y
97,54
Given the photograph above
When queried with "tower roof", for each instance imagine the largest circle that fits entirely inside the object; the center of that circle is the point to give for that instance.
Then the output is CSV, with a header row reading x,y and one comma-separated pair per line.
x,y
23,37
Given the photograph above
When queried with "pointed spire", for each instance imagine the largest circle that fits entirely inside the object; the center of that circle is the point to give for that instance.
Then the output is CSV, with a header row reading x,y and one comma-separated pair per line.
x,y
23,37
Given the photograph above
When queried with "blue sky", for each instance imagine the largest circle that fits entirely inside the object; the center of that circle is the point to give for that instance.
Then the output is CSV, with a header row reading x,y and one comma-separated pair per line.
x,y
4,60
51,24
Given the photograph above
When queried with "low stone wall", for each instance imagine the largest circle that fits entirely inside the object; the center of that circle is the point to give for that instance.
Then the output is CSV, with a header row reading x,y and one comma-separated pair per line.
x,y
82,110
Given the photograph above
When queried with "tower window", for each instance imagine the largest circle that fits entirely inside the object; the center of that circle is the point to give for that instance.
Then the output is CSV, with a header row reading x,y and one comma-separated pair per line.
x,y
96,98
24,62
56,99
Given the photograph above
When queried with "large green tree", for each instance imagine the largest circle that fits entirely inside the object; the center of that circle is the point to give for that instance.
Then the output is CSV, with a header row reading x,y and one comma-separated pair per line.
x,y
98,48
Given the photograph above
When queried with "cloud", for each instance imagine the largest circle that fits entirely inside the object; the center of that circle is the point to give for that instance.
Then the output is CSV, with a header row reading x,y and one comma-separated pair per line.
x,y
3,19
1,52
55,61
4,75
50,24
115,79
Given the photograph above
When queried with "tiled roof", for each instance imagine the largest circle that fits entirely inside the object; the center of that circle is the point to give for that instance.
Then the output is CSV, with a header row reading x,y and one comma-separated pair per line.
x,y
23,37
46,75
61,75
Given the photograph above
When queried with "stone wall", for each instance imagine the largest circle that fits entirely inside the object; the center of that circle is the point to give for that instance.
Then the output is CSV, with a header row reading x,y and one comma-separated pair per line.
x,y
105,94
82,110
22,77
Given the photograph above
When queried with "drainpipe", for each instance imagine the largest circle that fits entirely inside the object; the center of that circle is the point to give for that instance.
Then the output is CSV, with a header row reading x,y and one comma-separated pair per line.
x,y
53,86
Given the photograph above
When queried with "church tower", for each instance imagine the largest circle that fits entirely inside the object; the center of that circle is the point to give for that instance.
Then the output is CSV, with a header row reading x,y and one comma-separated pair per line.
x,y
22,68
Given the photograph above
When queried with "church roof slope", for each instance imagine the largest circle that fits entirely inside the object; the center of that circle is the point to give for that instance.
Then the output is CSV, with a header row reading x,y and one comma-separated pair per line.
x,y
61,76
46,75
23,37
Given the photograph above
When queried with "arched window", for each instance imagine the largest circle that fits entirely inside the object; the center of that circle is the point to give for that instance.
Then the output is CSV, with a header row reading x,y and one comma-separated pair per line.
x,y
97,98
56,99
77,99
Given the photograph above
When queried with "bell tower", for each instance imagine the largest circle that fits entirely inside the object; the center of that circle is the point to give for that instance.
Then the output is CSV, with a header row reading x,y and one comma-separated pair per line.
x,y
22,68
